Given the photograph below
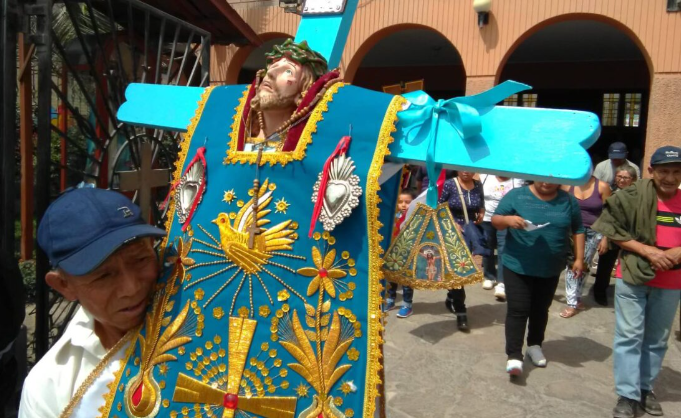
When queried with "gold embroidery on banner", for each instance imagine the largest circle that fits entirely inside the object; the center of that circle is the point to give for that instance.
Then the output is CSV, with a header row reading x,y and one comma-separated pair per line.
x,y
374,327
277,157
181,158
225,395
90,379
231,250
142,395
332,335
181,260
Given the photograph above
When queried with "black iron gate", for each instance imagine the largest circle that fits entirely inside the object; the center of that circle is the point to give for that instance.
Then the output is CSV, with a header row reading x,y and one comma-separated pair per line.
x,y
86,53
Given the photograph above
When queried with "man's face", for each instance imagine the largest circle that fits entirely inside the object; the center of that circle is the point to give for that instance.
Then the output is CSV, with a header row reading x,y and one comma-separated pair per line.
x,y
403,202
667,178
116,294
281,85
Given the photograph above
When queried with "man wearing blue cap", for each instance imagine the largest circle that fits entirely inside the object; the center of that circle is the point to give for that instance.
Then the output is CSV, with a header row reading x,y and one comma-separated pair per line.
x,y
102,256
617,156
644,220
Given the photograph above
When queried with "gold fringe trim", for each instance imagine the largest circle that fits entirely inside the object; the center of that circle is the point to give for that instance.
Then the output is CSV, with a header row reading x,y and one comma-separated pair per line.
x,y
404,280
278,157
374,326
94,374
181,158
105,410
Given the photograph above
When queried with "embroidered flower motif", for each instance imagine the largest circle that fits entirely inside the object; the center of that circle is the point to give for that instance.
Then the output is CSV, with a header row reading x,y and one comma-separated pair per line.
x,y
218,313
324,274
430,234
264,311
283,295
243,312
353,354
180,259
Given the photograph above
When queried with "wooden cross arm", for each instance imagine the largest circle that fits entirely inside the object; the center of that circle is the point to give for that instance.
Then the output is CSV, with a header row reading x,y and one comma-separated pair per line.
x,y
528,143
160,106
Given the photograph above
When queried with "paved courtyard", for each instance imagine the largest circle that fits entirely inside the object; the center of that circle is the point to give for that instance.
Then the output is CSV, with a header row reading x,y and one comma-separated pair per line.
x,y
434,370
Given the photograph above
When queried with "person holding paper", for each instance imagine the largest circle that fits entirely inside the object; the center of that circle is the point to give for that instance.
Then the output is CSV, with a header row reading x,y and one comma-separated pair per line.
x,y
533,260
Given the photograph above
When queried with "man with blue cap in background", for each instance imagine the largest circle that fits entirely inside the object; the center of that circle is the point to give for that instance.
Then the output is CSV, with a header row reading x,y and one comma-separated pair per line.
x,y
102,256
617,156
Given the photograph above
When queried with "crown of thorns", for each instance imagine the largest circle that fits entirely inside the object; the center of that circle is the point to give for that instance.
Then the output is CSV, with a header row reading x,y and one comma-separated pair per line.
x,y
301,53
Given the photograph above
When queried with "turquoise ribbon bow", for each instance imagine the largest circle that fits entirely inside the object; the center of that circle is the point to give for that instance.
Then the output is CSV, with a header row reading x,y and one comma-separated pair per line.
x,y
463,113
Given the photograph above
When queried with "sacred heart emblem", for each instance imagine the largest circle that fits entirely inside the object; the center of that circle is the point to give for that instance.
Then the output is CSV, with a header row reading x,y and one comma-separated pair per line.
x,y
189,190
342,192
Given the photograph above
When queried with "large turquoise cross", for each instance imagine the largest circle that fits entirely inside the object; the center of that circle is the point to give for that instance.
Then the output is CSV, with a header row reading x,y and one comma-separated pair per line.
x,y
528,143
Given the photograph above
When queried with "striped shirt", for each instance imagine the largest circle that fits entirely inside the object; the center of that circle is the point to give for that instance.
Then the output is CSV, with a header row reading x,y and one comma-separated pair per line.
x,y
668,236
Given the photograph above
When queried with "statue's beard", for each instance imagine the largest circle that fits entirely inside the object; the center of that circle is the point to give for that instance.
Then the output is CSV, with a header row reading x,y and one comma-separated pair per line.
x,y
266,100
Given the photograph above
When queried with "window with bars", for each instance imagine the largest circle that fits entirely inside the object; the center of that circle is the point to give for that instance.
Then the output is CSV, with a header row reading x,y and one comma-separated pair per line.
x,y
524,100
511,100
632,109
611,105
529,100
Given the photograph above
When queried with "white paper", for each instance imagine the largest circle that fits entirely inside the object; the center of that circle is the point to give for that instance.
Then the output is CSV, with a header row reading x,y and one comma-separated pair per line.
x,y
529,226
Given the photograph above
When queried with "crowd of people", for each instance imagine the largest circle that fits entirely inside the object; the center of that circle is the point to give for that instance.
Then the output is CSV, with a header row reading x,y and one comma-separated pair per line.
x,y
535,231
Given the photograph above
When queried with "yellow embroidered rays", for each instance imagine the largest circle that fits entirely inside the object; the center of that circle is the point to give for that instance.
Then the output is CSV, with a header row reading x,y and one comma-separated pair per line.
x,y
324,272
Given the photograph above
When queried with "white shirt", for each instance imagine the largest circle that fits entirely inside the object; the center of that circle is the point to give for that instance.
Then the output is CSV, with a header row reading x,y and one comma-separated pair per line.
x,y
52,382
494,190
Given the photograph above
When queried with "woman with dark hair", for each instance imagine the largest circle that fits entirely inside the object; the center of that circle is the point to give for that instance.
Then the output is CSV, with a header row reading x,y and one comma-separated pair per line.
x,y
539,219
466,201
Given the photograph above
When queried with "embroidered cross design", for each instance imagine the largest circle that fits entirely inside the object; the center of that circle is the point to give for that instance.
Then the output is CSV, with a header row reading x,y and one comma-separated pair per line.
x,y
241,331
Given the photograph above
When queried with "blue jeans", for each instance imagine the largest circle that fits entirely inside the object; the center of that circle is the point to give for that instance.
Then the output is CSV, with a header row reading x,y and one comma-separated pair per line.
x,y
643,322
575,284
495,239
407,294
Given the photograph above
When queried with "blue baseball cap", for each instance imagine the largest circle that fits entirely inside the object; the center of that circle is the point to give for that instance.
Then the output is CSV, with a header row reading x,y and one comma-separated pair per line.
x,y
665,155
617,151
83,227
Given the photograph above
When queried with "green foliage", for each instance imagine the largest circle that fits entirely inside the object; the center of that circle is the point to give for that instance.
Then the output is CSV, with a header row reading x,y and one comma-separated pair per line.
x,y
27,269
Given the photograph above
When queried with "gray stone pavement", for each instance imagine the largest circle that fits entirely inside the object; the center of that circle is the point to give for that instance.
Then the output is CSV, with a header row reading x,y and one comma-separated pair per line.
x,y
434,370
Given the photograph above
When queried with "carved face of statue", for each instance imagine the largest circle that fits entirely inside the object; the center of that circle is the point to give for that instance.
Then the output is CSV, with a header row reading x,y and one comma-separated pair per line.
x,y
281,86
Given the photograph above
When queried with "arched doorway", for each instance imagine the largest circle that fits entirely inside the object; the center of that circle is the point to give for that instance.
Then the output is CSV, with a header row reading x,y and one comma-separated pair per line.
x,y
402,55
254,58
586,64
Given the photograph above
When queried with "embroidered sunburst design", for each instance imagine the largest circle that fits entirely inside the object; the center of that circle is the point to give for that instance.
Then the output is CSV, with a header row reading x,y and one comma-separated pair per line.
x,y
247,248
163,369
302,390
281,206
229,196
